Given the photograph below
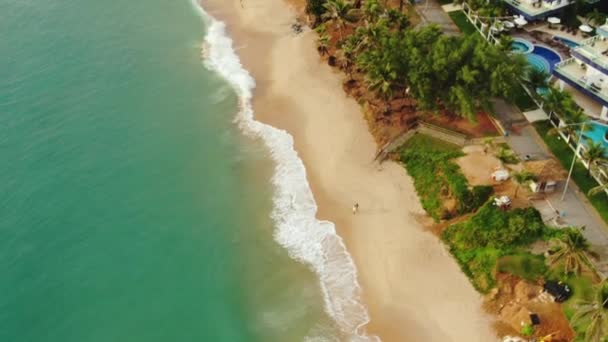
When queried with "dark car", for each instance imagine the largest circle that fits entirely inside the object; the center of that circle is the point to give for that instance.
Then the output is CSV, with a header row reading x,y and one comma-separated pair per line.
x,y
560,291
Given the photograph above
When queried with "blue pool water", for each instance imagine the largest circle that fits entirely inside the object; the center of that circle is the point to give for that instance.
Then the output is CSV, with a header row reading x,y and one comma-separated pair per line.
x,y
540,57
521,46
543,58
598,133
538,62
571,44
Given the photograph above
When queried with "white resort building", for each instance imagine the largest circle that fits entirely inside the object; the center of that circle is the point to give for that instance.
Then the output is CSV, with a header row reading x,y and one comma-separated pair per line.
x,y
537,9
587,73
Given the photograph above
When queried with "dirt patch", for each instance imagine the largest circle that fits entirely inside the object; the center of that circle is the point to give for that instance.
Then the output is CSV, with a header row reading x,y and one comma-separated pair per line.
x,y
515,299
480,128
477,165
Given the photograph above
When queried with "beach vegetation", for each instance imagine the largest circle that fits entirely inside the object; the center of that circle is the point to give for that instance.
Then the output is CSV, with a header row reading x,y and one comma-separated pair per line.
x,y
506,154
491,234
571,251
525,265
455,75
522,178
316,7
339,12
583,288
593,315
527,330
443,189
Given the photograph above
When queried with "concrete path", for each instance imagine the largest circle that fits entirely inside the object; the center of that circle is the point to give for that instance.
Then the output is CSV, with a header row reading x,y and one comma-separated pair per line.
x,y
431,12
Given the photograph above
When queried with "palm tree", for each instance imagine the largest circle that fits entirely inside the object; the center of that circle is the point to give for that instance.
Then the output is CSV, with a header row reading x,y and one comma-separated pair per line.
x,y
537,78
339,12
521,178
554,100
598,189
372,10
571,249
370,36
594,152
505,42
594,314
345,58
397,19
596,17
381,82
323,45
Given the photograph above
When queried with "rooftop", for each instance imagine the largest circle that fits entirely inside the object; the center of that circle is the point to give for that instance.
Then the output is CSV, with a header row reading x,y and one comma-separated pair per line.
x,y
594,50
537,8
573,73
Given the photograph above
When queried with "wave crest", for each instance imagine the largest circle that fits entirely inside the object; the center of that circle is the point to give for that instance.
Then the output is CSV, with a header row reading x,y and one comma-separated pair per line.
x,y
306,239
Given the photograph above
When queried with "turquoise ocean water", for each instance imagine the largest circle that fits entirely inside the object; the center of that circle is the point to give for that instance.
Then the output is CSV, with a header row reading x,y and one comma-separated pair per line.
x,y
132,206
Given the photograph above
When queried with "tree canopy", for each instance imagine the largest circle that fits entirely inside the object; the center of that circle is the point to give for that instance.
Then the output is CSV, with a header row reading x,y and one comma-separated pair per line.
x,y
459,74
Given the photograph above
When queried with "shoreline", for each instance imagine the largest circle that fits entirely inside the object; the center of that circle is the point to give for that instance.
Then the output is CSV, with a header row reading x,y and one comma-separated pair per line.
x,y
412,287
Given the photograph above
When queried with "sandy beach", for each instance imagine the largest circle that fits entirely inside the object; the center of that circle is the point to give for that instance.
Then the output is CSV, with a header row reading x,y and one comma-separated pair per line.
x,y
413,289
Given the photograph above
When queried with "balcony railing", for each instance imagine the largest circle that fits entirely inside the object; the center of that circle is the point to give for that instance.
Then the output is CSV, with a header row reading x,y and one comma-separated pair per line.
x,y
539,7
580,83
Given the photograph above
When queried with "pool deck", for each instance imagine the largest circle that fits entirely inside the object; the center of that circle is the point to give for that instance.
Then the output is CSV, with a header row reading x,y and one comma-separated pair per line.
x,y
544,27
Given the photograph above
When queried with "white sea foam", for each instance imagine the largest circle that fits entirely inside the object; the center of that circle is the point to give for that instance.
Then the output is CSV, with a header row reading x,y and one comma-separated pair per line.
x,y
307,239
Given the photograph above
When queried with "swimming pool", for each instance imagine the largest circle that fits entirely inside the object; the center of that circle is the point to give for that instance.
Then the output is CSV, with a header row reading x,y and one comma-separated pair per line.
x,y
597,133
570,43
540,57
543,58
521,46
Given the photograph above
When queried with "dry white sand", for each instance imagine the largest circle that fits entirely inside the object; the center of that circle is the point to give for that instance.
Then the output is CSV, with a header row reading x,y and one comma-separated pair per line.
x,y
413,289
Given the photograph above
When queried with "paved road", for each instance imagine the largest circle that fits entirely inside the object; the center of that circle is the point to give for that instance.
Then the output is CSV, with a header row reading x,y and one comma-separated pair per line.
x,y
524,140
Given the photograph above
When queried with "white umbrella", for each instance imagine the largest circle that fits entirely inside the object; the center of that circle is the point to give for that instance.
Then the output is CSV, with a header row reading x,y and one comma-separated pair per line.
x,y
585,28
508,24
554,20
520,21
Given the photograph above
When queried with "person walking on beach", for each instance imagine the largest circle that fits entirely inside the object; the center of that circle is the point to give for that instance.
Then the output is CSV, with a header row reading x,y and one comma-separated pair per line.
x,y
355,208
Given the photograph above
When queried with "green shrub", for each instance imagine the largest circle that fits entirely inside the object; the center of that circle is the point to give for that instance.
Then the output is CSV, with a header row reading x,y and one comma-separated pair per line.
x,y
480,195
315,7
479,242
492,227
527,330
436,177
524,265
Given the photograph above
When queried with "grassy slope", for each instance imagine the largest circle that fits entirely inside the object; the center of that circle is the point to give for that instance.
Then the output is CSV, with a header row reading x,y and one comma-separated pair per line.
x,y
460,19
491,235
436,177
564,154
